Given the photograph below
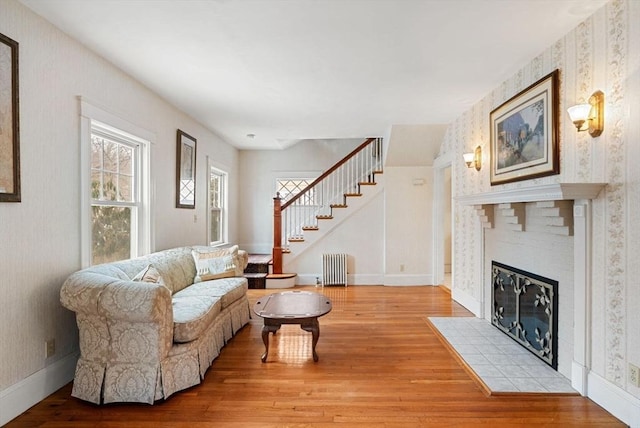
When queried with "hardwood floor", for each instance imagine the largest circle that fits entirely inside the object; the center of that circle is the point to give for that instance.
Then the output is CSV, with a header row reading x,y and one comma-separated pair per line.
x,y
380,365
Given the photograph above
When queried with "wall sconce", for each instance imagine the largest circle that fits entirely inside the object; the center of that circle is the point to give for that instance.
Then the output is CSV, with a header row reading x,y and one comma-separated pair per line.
x,y
474,159
589,117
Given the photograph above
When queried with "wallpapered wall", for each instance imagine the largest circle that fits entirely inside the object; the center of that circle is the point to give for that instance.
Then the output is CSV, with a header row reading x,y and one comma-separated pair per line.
x,y
601,53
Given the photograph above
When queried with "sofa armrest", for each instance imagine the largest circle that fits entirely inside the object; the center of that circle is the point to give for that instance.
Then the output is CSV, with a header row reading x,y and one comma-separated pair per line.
x,y
139,317
136,301
243,259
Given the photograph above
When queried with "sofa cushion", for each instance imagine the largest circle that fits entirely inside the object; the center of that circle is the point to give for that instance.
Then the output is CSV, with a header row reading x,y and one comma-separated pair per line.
x,y
214,263
227,289
174,265
192,315
149,274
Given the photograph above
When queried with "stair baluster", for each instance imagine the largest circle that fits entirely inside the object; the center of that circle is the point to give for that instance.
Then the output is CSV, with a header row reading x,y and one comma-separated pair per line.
x,y
315,201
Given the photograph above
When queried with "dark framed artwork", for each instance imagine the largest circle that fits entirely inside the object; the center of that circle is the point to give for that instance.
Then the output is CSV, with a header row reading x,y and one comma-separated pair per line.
x,y
524,134
9,123
186,171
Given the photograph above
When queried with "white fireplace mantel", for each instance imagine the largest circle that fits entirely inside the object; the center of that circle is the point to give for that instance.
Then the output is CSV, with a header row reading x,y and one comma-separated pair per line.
x,y
582,195
544,192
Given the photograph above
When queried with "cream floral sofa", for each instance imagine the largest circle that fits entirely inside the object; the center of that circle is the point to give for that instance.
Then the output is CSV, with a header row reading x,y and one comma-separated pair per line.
x,y
151,326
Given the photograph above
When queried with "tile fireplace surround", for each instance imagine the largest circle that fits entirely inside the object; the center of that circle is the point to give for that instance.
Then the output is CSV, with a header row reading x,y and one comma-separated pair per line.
x,y
581,194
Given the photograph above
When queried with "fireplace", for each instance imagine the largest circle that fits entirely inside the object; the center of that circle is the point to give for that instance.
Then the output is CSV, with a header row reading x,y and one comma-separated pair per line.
x,y
525,308
570,265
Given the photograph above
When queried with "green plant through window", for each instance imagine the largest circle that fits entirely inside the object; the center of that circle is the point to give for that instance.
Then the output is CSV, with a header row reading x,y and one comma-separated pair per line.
x,y
113,198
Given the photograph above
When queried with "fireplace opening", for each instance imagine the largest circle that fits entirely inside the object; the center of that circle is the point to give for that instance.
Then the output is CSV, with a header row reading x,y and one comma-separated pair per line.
x,y
525,307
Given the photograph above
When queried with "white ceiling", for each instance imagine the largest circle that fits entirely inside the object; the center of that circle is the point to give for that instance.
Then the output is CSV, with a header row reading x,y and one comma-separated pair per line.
x,y
287,70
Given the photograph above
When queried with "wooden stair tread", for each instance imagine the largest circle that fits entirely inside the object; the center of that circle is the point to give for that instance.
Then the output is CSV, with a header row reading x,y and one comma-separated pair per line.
x,y
295,239
255,275
367,183
259,259
281,275
338,205
352,194
309,227
324,217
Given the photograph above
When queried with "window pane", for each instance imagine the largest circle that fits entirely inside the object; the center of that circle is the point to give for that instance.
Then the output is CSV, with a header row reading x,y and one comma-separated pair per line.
x,y
291,187
110,156
215,191
96,152
216,232
125,159
125,193
109,187
96,187
111,234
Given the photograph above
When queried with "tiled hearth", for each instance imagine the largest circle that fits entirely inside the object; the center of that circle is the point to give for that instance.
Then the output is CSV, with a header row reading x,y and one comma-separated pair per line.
x,y
499,362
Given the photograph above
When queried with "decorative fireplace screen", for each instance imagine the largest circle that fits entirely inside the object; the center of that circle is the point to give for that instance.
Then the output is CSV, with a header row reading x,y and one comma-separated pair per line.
x,y
525,307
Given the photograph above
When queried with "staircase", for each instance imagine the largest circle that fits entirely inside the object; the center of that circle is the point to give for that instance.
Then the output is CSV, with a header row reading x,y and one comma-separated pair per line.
x,y
259,275
299,220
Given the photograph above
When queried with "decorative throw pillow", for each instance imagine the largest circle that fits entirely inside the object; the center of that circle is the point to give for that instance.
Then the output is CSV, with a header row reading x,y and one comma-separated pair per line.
x,y
149,274
215,263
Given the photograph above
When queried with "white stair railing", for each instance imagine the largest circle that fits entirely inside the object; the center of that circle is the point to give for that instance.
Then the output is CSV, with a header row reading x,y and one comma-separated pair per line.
x,y
328,192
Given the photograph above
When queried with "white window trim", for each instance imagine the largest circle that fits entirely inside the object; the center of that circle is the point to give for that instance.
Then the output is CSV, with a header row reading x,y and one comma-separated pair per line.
x,y
89,114
225,203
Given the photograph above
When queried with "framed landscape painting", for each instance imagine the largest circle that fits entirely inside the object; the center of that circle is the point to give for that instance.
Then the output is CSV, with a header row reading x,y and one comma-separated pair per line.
x,y
185,171
9,137
524,134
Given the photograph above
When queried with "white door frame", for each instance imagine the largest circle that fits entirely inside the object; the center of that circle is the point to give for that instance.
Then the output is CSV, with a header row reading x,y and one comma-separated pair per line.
x,y
440,164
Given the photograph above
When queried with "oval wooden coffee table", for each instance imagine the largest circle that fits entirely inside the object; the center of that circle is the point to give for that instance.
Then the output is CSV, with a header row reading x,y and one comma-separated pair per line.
x,y
292,307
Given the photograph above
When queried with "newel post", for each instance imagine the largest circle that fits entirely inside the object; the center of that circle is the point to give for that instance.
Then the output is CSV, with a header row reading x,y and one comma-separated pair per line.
x,y
277,234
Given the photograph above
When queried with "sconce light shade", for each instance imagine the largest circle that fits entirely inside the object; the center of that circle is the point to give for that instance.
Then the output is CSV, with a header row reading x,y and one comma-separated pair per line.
x,y
468,159
474,160
589,116
579,115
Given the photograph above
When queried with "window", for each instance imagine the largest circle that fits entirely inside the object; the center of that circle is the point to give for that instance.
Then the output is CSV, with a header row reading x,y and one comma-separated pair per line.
x,y
116,220
289,187
217,206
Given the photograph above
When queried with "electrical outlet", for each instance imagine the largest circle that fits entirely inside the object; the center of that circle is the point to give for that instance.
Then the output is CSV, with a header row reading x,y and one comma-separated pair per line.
x,y
49,348
634,375
401,268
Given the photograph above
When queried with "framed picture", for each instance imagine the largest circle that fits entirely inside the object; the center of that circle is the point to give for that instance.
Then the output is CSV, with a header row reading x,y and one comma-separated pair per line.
x,y
524,134
186,171
9,135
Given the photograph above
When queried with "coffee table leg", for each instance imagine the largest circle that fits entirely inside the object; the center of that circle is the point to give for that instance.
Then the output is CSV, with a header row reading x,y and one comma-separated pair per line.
x,y
266,329
265,339
314,327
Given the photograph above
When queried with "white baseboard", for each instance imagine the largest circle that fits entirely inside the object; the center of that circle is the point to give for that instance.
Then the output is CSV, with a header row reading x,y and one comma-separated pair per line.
x,y
352,279
579,377
408,279
615,400
466,300
35,388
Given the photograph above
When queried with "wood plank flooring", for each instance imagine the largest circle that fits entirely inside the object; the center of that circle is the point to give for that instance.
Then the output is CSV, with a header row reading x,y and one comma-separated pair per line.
x,y
380,365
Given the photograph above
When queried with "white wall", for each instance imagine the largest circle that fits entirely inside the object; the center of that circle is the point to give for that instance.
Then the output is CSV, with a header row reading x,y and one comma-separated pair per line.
x,y
39,237
361,237
408,225
601,53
